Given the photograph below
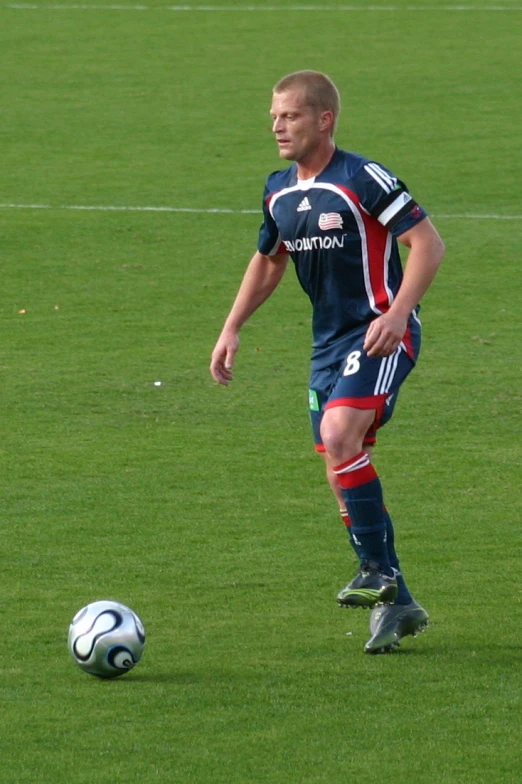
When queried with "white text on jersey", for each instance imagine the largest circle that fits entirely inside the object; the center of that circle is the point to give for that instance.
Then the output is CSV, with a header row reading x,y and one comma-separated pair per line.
x,y
314,243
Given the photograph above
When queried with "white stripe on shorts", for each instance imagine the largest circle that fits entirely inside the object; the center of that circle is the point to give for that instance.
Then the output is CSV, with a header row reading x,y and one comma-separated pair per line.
x,y
387,372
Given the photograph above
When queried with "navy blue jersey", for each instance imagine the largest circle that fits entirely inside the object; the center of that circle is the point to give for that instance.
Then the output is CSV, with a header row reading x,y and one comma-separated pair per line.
x,y
340,230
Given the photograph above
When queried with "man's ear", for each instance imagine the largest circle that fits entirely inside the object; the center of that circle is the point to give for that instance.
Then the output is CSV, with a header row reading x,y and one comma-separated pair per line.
x,y
327,120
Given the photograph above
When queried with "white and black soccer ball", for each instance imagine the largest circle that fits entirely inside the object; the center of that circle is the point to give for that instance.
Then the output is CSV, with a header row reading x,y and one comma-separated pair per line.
x,y
106,639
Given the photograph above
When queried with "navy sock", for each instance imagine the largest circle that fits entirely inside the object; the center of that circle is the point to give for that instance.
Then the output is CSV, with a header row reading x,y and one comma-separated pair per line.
x,y
403,595
362,493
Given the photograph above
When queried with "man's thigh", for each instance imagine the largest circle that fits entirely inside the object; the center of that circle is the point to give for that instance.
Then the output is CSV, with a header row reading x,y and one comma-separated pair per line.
x,y
359,381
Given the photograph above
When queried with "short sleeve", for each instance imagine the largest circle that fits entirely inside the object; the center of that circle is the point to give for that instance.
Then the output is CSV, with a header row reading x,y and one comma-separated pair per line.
x,y
387,198
269,242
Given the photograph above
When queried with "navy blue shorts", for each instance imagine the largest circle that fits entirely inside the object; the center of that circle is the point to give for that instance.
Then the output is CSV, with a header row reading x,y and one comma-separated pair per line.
x,y
363,382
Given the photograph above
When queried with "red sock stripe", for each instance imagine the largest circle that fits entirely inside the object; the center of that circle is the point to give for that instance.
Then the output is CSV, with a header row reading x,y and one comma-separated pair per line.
x,y
355,472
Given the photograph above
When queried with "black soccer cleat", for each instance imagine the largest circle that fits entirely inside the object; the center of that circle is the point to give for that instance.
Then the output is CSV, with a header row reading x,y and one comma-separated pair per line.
x,y
388,625
369,587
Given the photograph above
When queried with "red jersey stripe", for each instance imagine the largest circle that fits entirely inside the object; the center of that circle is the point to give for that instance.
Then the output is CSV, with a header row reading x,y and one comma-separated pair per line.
x,y
376,246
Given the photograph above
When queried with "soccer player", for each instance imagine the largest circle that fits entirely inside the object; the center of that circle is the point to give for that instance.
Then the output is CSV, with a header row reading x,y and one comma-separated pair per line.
x,y
338,216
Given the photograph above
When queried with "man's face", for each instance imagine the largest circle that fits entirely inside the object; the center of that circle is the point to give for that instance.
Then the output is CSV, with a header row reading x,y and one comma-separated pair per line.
x,y
297,127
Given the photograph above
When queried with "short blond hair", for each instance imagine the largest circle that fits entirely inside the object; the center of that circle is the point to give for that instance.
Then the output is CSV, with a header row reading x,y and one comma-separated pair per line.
x,y
320,93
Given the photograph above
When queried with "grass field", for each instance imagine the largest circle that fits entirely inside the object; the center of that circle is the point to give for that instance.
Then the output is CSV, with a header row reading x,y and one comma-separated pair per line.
x,y
205,508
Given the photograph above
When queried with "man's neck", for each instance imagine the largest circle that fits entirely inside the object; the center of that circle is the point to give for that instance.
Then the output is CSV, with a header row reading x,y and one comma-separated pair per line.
x,y
315,164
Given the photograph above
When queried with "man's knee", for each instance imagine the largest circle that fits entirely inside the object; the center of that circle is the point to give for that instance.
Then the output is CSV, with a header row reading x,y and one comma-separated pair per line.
x,y
343,430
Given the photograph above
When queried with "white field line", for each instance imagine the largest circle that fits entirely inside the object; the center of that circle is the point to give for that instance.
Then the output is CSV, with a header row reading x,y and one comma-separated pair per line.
x,y
111,208
257,8
219,211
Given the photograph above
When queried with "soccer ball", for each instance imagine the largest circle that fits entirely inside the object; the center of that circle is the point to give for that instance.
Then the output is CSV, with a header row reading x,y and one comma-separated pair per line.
x,y
106,639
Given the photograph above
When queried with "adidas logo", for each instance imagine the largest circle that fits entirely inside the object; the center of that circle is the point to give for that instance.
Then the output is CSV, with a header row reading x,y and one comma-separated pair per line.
x,y
305,205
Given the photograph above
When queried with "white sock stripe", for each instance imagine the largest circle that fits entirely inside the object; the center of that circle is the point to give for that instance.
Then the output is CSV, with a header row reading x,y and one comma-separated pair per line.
x,y
363,461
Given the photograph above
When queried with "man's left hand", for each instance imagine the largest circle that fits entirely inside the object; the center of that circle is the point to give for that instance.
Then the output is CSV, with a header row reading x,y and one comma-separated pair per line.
x,y
384,335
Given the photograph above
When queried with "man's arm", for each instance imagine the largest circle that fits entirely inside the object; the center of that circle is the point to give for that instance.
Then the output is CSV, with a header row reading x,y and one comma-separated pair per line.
x,y
261,278
426,251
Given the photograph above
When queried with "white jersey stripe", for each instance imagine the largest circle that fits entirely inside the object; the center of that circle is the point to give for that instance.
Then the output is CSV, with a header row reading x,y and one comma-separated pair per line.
x,y
386,182
273,251
280,193
387,254
364,240
362,232
378,179
392,181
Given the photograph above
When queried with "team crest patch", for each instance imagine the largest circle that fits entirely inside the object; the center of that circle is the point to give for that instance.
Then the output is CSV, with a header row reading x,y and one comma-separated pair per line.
x,y
330,220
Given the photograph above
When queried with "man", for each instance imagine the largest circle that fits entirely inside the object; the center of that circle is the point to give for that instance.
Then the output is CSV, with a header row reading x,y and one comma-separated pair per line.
x,y
339,215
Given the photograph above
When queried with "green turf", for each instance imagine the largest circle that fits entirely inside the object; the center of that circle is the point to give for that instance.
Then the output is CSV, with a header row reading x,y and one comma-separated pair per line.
x,y
205,508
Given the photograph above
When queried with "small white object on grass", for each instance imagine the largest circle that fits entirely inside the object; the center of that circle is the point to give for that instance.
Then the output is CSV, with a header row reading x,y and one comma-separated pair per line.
x,y
157,383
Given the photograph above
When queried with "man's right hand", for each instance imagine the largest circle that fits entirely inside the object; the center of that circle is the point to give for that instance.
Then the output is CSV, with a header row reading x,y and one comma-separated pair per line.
x,y
223,357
